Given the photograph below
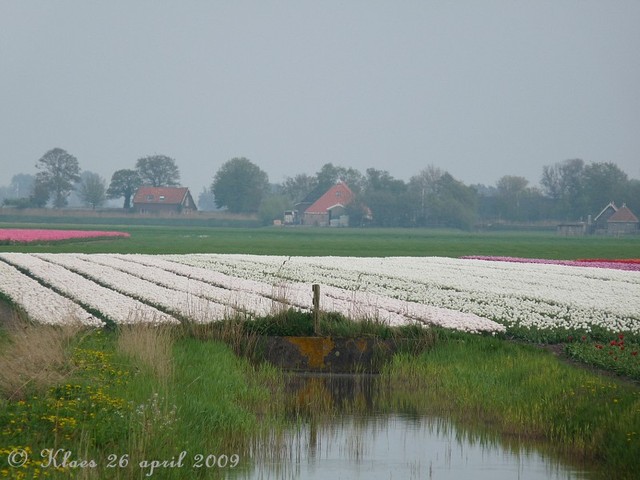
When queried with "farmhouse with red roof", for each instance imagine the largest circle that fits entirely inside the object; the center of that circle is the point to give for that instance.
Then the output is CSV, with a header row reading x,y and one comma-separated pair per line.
x,y
329,209
164,200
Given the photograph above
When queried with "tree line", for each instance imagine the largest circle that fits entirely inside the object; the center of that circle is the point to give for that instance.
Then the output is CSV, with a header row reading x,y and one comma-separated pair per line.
x,y
569,191
60,175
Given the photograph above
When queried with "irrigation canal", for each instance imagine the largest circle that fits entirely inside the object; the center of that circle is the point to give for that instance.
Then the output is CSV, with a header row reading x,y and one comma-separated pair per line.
x,y
352,427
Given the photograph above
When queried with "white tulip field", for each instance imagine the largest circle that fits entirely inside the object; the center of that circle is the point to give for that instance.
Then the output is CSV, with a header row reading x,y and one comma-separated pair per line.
x,y
472,295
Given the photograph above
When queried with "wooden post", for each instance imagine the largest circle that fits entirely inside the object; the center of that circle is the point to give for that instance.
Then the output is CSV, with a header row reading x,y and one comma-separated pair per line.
x,y
316,308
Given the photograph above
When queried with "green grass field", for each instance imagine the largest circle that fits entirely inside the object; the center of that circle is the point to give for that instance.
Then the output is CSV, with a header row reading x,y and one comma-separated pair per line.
x,y
338,242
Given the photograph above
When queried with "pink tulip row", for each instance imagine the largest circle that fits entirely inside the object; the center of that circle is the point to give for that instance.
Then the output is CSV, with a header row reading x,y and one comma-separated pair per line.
x,y
34,235
618,264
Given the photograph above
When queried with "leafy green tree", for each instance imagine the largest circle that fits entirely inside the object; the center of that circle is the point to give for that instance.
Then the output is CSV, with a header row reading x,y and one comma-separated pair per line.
x,y
511,192
632,195
580,189
92,190
379,180
457,203
272,208
516,201
329,175
240,185
40,194
447,202
564,183
59,172
298,187
388,209
158,171
359,213
387,199
603,183
423,187
124,183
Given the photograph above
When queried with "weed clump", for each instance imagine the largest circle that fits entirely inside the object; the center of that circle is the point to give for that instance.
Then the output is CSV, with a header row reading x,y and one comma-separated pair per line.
x,y
34,357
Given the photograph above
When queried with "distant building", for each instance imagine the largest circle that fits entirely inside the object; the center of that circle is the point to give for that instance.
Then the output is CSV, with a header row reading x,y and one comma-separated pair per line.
x,y
329,209
614,220
623,222
599,225
164,200
572,229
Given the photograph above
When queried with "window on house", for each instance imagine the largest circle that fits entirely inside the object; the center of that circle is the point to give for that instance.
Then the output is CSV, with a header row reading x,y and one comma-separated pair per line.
x,y
161,198
149,197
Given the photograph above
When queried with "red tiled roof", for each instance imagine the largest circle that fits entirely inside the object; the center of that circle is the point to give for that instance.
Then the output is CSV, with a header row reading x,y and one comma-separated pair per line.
x,y
623,215
338,195
164,195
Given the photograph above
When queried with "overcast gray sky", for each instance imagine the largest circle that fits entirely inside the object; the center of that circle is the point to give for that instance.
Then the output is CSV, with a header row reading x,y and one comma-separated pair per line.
x,y
479,88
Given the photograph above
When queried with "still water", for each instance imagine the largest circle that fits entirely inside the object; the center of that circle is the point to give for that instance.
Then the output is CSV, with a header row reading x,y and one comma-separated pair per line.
x,y
359,436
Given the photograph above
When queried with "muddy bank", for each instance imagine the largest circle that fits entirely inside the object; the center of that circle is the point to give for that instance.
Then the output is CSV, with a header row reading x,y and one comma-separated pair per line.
x,y
328,354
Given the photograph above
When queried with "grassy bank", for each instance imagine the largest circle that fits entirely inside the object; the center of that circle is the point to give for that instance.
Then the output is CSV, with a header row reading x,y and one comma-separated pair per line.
x,y
340,242
125,399
120,401
523,392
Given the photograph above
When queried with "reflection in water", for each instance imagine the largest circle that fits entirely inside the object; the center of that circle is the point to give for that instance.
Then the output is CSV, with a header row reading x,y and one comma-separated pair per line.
x,y
351,427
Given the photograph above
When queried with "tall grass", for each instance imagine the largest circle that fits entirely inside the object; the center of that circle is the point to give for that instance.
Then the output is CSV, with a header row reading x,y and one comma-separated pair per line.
x,y
34,357
150,346
522,391
139,393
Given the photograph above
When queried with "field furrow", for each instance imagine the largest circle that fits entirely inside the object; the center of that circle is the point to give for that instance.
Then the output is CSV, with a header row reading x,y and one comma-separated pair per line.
x,y
179,303
40,303
534,296
113,305
463,294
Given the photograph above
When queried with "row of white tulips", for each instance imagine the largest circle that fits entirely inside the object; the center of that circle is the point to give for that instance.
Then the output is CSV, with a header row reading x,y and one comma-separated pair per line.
x,y
127,287
40,303
177,301
117,307
454,293
353,304
537,296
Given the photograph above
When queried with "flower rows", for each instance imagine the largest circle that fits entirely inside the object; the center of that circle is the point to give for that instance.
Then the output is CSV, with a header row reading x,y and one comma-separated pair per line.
x,y
179,294
263,297
619,264
41,303
539,296
207,295
34,235
117,284
464,294
115,306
